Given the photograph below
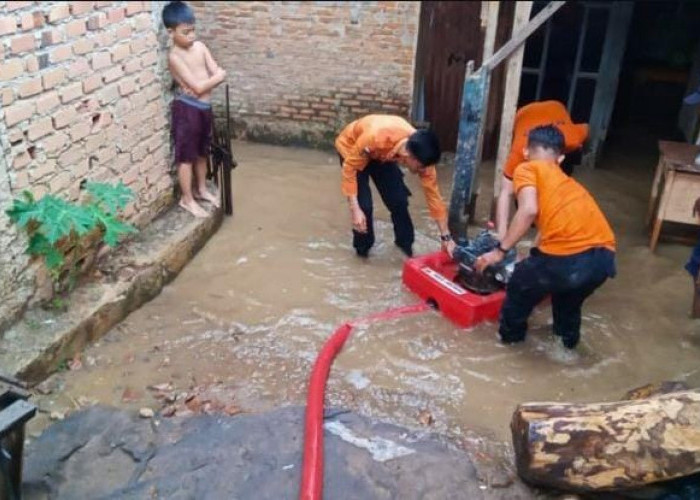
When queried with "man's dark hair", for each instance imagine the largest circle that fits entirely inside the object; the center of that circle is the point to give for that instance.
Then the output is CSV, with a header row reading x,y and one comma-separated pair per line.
x,y
176,13
547,137
425,147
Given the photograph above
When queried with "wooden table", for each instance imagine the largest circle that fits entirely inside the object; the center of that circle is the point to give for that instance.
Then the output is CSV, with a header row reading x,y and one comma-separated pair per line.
x,y
678,179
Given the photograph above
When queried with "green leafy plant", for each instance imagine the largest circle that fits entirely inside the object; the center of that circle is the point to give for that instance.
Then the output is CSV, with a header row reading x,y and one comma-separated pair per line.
x,y
54,224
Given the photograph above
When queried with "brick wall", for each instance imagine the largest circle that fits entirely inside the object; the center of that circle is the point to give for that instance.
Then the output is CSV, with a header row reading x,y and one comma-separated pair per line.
x,y
298,71
81,97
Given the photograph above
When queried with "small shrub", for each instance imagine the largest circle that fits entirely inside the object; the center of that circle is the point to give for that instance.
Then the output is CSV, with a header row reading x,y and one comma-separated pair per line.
x,y
54,225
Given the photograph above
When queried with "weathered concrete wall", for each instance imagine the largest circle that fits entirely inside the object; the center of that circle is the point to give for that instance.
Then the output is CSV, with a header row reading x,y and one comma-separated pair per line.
x,y
298,71
81,97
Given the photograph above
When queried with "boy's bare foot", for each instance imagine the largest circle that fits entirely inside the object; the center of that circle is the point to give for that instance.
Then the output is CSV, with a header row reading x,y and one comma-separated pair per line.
x,y
210,197
194,208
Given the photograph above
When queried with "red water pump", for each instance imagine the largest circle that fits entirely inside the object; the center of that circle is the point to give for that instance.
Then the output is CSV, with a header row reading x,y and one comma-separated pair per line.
x,y
432,278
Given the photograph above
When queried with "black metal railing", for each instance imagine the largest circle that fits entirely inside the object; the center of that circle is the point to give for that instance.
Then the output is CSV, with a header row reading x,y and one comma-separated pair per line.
x,y
15,411
221,160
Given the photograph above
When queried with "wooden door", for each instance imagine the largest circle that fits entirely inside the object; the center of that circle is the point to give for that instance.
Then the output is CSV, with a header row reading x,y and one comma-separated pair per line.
x,y
450,35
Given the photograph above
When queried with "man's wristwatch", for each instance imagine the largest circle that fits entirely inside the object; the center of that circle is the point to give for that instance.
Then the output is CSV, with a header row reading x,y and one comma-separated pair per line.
x,y
501,249
445,237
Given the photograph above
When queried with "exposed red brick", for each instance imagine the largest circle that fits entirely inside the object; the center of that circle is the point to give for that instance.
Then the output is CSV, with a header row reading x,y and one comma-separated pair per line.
x,y
69,158
64,117
11,69
124,32
98,21
120,52
47,102
105,39
59,12
7,96
10,6
62,180
83,46
71,92
94,142
149,59
18,112
51,37
115,15
106,154
132,65
101,60
60,54
40,128
79,131
109,94
27,21
143,22
127,87
92,83
113,74
53,78
146,77
20,161
53,143
23,43
15,135
30,87
133,8
39,19
78,8
32,64
76,28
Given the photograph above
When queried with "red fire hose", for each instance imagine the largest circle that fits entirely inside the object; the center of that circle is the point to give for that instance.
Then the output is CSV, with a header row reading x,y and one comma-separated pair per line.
x,y
312,470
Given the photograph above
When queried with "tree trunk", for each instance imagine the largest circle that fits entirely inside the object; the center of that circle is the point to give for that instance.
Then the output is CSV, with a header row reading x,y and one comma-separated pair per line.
x,y
608,446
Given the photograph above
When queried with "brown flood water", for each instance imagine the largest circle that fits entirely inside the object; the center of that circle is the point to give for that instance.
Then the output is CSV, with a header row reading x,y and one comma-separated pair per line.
x,y
252,310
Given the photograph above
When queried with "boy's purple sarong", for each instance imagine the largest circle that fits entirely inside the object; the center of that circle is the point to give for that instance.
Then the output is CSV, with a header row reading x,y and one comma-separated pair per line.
x,y
191,128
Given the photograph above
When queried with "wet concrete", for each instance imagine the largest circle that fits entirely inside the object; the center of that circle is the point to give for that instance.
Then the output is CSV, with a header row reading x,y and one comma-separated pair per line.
x,y
106,453
121,281
250,312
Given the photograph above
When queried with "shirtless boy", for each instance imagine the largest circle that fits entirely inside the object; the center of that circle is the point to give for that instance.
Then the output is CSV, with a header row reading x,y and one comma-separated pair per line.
x,y
196,73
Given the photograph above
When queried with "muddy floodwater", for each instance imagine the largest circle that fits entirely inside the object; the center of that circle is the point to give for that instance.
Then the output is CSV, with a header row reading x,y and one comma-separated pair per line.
x,y
250,312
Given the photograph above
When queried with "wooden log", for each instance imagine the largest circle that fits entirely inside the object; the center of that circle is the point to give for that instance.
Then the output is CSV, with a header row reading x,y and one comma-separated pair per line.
x,y
608,446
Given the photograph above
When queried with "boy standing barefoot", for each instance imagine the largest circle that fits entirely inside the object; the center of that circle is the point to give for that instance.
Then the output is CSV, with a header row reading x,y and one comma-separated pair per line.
x,y
196,73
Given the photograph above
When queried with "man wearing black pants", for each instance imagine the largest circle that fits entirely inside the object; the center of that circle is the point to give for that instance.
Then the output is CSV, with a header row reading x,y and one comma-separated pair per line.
x,y
373,147
388,179
576,251
569,279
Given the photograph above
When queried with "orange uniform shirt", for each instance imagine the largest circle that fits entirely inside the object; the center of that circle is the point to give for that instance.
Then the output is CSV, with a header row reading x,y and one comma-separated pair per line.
x,y
569,219
537,114
378,137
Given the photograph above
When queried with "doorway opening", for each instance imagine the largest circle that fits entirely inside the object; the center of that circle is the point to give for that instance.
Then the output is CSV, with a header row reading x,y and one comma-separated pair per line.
x,y
621,67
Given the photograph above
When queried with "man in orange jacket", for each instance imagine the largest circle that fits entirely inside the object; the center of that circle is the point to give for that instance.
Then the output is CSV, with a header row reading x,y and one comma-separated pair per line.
x,y
372,147
528,117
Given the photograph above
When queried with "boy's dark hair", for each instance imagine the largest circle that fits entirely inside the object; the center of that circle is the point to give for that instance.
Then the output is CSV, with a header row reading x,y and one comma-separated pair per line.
x,y
425,147
547,137
176,13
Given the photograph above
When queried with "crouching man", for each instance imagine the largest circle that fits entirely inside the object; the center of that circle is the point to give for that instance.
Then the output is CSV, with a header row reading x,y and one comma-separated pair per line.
x,y
576,251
